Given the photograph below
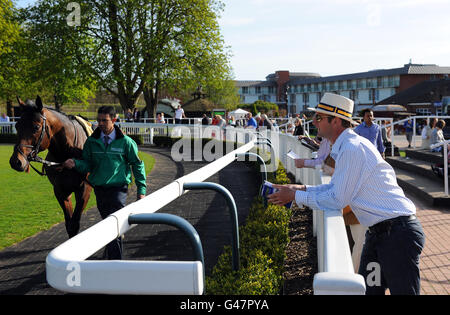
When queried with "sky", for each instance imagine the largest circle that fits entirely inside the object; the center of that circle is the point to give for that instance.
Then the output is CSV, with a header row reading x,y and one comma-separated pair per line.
x,y
332,37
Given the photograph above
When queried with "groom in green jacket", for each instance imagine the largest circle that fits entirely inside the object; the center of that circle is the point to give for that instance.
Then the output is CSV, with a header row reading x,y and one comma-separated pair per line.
x,y
109,156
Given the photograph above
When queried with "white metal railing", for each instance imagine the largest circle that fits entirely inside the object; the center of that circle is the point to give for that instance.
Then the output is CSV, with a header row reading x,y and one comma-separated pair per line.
x,y
445,145
7,127
68,270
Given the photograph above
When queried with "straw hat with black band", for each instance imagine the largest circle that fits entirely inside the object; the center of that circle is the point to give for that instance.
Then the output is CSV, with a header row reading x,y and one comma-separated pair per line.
x,y
336,105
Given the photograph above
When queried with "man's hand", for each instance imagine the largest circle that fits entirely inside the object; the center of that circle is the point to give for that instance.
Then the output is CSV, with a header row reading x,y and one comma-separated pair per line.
x,y
70,163
139,197
285,194
299,163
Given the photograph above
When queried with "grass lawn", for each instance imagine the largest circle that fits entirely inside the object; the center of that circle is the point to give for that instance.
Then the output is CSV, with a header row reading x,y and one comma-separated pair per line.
x,y
27,202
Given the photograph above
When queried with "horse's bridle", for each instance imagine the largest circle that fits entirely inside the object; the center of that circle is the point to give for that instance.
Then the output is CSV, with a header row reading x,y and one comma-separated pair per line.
x,y
35,149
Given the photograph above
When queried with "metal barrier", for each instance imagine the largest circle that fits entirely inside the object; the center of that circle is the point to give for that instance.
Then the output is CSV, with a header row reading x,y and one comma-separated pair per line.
x,y
233,214
68,270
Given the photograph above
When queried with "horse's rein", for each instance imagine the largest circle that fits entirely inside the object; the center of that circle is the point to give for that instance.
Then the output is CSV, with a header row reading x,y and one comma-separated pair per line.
x,y
33,155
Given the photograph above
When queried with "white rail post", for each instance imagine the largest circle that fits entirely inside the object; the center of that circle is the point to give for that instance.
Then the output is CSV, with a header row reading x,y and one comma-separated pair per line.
x,y
446,166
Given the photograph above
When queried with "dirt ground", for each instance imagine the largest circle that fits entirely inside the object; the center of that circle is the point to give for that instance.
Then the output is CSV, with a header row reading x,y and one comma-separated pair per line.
x,y
301,262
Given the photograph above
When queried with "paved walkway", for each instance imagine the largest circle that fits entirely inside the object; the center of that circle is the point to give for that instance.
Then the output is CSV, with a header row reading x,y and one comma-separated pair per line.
x,y
435,258
22,266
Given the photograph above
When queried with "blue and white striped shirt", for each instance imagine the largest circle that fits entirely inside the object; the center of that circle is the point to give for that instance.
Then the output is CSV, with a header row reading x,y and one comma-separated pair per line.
x,y
363,180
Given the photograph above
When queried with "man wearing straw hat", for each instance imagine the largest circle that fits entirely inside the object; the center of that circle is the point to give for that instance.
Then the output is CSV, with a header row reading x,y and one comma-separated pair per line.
x,y
367,183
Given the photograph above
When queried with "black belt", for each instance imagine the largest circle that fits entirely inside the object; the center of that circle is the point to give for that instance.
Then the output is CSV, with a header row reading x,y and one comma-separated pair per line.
x,y
385,226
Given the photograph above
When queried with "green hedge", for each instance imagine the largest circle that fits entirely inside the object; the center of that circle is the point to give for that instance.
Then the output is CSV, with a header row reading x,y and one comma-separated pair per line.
x,y
263,241
139,139
8,138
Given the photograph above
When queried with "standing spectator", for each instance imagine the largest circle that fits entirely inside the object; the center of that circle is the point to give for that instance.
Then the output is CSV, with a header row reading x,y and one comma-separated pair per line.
x,y
265,122
232,121
220,121
438,135
179,114
251,122
408,131
366,183
4,118
426,133
128,115
109,156
160,119
136,115
371,131
386,133
205,120
299,130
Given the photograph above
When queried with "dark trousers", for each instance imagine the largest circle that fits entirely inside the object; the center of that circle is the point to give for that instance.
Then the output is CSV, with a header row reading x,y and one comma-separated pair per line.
x,y
392,255
109,200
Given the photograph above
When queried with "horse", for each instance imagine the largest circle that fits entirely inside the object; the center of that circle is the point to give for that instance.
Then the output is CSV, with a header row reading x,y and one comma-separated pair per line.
x,y
40,129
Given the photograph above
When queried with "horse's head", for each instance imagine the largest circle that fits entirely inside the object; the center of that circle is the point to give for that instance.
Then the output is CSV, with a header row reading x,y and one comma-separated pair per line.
x,y
32,134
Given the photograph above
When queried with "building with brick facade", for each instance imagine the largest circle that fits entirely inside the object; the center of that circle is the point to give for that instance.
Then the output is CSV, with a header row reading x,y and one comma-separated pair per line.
x,y
296,91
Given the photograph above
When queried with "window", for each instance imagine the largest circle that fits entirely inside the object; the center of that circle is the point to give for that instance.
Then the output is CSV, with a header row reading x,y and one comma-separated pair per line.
x,y
257,89
293,99
305,98
245,90
349,84
423,111
352,95
379,81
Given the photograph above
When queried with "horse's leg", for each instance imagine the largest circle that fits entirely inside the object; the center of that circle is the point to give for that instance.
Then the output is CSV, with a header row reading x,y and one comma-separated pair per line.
x,y
65,202
82,195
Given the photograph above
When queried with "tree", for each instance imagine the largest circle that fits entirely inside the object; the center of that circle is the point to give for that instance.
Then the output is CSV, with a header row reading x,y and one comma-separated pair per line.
x,y
184,49
9,65
143,46
54,50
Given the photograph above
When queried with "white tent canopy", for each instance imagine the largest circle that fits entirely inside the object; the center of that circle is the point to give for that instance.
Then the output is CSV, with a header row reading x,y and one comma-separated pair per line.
x,y
389,108
238,113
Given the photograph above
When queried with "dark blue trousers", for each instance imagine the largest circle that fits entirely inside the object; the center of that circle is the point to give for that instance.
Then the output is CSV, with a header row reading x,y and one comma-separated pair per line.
x,y
109,200
390,259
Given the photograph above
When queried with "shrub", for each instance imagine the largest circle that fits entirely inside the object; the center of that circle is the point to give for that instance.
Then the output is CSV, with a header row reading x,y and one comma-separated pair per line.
x,y
263,241
8,138
139,139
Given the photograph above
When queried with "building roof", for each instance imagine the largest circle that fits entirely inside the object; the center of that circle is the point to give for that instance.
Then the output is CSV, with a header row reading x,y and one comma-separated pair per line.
x,y
297,78
254,83
423,92
406,69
